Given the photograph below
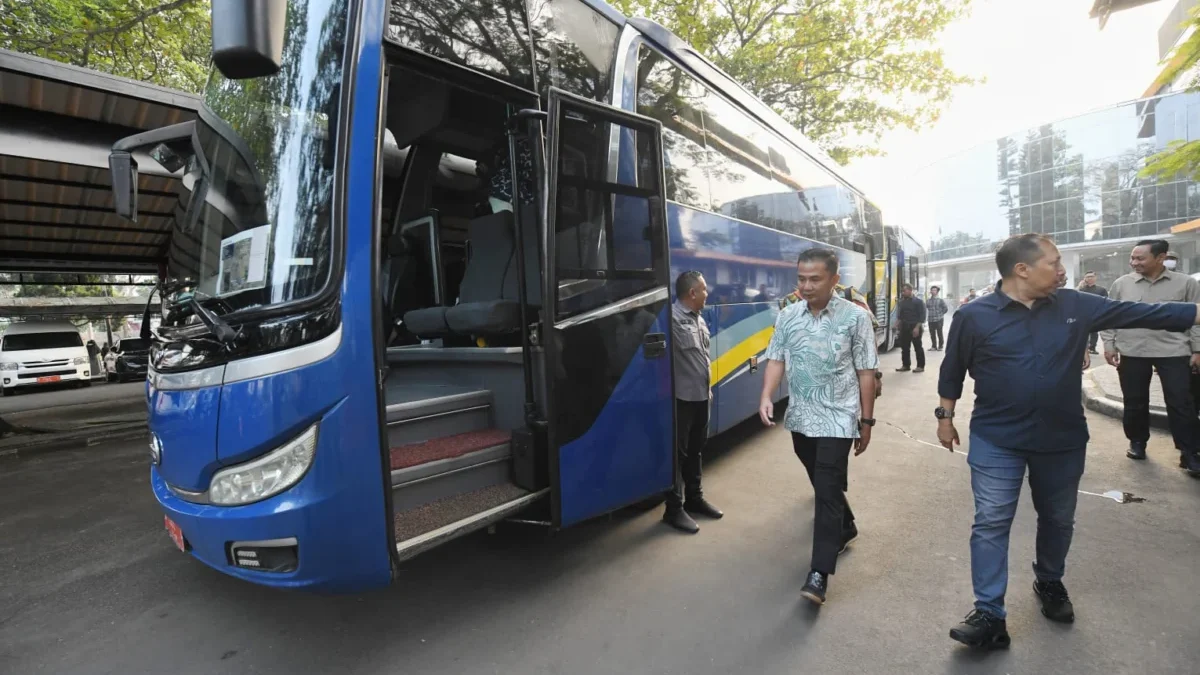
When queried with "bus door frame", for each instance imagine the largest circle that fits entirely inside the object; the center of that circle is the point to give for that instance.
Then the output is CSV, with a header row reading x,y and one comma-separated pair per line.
x,y
612,481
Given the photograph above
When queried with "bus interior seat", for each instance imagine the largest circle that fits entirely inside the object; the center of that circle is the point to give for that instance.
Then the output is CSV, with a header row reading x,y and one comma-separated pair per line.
x,y
488,308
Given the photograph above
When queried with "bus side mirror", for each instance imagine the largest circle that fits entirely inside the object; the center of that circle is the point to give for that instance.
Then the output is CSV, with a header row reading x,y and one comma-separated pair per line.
x,y
124,183
247,37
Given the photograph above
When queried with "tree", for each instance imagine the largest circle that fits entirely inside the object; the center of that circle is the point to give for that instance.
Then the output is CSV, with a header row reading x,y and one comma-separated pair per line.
x,y
1180,157
843,72
166,42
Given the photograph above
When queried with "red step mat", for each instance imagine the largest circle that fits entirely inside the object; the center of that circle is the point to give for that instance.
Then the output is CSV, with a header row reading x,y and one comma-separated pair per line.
x,y
447,447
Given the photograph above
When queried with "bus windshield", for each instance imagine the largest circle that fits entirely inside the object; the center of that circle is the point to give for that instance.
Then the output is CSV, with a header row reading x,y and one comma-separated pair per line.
x,y
258,227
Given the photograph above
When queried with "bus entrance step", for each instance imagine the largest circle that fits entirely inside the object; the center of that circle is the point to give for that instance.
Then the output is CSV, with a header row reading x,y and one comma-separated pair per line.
x,y
414,454
444,467
440,521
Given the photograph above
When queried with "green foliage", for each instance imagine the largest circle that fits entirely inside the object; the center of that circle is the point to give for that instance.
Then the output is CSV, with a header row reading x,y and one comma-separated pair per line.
x,y
842,71
166,42
1180,157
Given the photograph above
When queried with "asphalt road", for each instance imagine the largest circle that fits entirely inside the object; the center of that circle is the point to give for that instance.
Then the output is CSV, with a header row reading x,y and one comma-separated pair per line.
x,y
52,397
91,583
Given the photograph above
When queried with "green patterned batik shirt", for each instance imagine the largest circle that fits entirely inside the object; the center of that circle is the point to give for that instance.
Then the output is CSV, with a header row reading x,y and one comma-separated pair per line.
x,y
823,355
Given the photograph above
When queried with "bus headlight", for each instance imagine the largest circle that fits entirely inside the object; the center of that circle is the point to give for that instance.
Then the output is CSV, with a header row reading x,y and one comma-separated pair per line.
x,y
268,475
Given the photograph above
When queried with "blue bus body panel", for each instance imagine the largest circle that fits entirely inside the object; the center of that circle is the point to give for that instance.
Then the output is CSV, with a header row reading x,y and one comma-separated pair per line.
x,y
186,423
626,454
259,415
338,510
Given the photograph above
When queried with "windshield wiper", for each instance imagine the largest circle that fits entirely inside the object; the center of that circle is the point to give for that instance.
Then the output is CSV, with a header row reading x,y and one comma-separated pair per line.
x,y
221,330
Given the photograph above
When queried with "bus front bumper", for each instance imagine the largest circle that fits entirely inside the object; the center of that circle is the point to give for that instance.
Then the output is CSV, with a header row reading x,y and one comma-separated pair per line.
x,y
281,533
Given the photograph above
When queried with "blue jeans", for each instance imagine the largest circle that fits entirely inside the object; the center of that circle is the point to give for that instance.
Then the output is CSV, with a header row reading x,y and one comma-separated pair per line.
x,y
996,475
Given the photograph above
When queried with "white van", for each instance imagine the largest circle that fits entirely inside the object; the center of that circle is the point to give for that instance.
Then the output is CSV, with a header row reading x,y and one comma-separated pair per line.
x,y
42,352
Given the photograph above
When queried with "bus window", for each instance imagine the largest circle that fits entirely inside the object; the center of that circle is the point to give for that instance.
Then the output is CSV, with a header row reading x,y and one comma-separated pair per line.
x,y
485,35
741,164
574,46
670,96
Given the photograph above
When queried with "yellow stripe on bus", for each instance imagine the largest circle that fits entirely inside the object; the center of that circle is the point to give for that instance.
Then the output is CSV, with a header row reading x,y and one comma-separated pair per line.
x,y
739,354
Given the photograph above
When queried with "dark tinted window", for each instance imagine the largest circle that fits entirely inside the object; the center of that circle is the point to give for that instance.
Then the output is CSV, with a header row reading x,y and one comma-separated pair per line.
x,y
134,345
574,46
670,96
485,35
27,341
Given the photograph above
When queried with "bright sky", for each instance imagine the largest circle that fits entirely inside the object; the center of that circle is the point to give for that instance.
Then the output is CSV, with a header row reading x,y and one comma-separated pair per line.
x,y
1043,59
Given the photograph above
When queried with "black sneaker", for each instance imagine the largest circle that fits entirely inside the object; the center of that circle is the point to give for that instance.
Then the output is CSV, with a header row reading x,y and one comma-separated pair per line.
x,y
700,506
1191,463
981,630
1136,451
680,520
814,589
919,369
1056,604
848,538
905,369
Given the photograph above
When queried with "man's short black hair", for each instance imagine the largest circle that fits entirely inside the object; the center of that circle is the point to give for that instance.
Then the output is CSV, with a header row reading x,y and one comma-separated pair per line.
x,y
686,282
1019,248
1088,272
935,288
1157,246
819,254
908,286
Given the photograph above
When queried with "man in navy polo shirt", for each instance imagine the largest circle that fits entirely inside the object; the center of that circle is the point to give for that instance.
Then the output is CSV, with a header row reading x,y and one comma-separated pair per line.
x,y
1021,345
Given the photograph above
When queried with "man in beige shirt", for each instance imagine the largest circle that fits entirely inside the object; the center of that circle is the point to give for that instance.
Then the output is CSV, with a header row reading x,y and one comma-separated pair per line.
x,y
1137,353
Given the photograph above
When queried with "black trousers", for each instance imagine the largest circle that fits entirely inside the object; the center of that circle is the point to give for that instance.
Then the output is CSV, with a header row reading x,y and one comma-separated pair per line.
x,y
936,339
1175,373
827,460
691,433
906,341
1092,340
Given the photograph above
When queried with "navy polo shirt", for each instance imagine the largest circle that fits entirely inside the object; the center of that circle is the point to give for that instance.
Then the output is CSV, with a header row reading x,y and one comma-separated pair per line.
x,y
1027,362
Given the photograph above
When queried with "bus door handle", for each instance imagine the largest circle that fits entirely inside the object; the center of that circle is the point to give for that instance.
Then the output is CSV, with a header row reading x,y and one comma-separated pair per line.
x,y
654,345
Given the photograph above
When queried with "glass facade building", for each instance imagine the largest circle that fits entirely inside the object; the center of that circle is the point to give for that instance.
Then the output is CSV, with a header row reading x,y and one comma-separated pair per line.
x,y
1078,180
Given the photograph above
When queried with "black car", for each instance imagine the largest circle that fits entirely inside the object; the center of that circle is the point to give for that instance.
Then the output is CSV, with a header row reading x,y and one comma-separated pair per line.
x,y
128,360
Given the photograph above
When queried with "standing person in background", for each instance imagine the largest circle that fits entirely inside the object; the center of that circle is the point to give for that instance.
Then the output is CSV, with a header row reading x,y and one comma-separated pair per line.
x,y
970,296
826,345
1089,285
693,392
910,316
936,309
1137,353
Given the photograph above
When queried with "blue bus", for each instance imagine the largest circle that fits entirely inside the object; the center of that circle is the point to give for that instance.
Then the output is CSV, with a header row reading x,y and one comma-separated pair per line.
x,y
419,274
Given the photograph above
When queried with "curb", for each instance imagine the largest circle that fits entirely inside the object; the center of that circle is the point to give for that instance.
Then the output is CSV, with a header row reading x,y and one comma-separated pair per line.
x,y
1095,399
72,440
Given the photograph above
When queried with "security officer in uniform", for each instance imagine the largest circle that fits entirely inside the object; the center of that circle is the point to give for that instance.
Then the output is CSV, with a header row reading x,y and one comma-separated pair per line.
x,y
693,392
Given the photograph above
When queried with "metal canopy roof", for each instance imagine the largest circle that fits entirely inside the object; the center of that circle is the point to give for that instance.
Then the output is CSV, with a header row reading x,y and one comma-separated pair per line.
x,y
57,126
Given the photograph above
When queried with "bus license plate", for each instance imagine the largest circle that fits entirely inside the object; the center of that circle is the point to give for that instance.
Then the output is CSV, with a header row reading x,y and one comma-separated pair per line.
x,y
51,378
175,533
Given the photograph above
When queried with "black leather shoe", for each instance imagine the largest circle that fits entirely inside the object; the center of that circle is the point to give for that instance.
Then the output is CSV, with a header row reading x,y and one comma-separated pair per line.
x,y
815,587
848,537
1136,451
981,630
1056,604
700,507
680,520
905,369
919,369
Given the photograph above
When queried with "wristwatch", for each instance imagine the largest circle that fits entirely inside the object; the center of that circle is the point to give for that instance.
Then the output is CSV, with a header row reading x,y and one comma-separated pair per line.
x,y
942,414
866,421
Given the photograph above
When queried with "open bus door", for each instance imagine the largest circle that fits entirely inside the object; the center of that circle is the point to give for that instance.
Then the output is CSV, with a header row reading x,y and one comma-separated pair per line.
x,y
610,398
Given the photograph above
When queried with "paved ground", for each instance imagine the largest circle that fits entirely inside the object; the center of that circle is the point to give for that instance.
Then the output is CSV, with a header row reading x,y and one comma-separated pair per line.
x,y
1105,376
62,396
92,584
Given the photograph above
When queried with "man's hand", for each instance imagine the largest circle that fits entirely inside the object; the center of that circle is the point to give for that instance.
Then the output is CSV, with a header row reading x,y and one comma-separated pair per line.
x,y
1113,358
1196,363
766,412
947,434
864,438
1087,360
916,331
